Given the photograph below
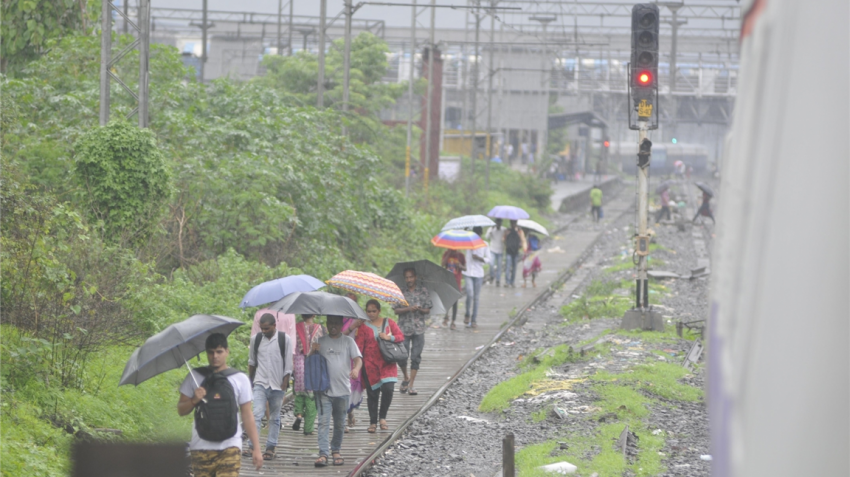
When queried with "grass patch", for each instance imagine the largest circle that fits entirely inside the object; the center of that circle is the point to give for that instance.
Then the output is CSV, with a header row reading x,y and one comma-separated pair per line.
x,y
598,302
657,378
626,264
539,416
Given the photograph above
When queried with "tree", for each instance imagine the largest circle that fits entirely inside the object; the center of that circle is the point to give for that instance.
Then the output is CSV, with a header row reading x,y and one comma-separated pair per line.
x,y
125,178
29,25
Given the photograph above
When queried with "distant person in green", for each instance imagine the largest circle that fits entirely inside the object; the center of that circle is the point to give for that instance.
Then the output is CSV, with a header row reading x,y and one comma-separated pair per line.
x,y
596,202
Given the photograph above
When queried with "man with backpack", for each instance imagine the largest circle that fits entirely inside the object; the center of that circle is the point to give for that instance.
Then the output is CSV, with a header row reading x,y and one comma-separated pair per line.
x,y
337,350
514,245
269,368
223,395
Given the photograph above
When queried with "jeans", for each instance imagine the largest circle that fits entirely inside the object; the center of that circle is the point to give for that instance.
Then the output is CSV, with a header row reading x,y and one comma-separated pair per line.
x,y
510,269
473,293
414,345
275,399
328,407
496,268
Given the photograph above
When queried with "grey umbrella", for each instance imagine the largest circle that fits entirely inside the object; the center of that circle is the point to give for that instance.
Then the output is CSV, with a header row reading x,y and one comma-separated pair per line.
x,y
174,346
705,189
319,303
432,276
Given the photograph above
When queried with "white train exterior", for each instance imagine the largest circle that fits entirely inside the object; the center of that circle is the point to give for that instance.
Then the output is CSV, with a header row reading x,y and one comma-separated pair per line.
x,y
779,378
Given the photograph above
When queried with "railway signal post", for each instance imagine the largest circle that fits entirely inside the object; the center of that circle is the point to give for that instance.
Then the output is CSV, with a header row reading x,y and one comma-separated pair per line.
x,y
643,116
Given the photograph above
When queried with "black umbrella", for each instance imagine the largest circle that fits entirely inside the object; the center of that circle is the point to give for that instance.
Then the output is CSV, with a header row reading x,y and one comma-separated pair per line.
x,y
662,187
705,189
436,279
172,347
319,303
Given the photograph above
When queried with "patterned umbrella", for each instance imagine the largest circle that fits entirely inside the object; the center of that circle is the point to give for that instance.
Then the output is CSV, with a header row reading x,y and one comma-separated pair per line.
x,y
508,212
368,284
458,240
467,222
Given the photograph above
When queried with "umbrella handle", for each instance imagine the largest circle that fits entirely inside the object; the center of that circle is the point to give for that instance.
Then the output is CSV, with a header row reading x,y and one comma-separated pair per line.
x,y
193,378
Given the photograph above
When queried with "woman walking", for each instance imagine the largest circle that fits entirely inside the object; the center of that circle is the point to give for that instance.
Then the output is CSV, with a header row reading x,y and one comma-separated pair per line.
x,y
306,333
379,376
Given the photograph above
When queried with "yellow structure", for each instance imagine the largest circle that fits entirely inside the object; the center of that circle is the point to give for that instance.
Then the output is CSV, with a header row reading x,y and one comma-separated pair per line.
x,y
457,142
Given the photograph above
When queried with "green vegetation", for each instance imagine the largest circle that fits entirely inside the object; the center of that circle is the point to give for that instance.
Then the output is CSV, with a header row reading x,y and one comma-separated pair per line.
x,y
539,416
110,234
598,302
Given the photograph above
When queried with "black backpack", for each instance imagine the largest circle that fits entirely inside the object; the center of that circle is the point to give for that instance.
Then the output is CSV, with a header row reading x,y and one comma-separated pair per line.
x,y
281,343
216,419
512,242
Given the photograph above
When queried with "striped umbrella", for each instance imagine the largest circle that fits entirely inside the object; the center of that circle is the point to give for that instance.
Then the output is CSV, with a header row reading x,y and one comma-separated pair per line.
x,y
368,284
458,240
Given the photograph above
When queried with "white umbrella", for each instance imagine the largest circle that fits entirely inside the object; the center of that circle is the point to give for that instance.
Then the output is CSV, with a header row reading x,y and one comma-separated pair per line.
x,y
532,225
467,222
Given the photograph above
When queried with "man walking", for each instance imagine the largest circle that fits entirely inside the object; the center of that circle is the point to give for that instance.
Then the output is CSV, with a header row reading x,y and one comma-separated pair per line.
x,y
496,237
217,431
411,320
474,275
514,241
269,368
338,350
596,202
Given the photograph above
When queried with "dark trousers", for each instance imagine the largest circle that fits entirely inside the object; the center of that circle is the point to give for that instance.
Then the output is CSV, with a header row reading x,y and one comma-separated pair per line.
x,y
385,394
665,210
454,312
414,344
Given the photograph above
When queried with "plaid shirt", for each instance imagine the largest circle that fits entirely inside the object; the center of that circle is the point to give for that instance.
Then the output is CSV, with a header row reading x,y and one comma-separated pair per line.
x,y
413,322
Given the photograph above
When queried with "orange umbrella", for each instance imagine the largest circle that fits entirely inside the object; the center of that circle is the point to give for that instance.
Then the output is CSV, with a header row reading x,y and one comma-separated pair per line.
x,y
458,240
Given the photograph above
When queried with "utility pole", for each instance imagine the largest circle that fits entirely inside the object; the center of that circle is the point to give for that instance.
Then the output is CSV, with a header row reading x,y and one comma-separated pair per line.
x,y
144,56
279,21
475,89
105,57
291,26
544,87
204,27
320,87
410,98
490,73
346,58
674,23
126,15
429,98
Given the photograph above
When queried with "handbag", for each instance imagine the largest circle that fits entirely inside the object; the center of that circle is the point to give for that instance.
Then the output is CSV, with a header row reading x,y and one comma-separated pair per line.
x,y
391,351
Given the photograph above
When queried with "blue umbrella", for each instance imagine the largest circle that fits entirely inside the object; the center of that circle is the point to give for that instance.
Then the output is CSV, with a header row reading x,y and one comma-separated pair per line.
x,y
274,290
508,212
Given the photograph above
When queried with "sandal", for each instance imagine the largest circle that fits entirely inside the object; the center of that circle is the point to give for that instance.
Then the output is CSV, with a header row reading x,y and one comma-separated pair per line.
x,y
269,453
351,420
403,389
372,429
446,321
322,461
247,453
296,426
338,460
453,326
384,426
412,392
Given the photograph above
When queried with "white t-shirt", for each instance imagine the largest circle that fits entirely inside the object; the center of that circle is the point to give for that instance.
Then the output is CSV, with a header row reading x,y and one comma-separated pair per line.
x,y
497,239
242,387
474,268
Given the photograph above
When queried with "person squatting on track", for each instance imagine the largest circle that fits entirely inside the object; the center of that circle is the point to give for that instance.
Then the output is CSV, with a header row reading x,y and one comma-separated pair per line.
x,y
214,450
455,262
338,350
411,320
474,274
306,333
379,376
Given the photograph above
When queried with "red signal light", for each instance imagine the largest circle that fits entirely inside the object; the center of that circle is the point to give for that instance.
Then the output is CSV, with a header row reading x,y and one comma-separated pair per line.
x,y
606,144
644,78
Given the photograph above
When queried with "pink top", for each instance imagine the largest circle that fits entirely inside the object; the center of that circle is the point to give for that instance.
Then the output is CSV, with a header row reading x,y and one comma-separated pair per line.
x,y
285,323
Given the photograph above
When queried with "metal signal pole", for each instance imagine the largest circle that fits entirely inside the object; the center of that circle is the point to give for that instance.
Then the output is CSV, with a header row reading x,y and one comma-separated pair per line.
x,y
291,7
490,73
107,61
346,57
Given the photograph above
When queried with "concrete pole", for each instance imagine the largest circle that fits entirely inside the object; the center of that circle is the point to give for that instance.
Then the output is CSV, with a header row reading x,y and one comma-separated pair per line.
x,y
291,17
144,48
475,90
203,39
105,56
410,98
279,21
488,152
346,57
643,214
675,26
428,121
320,87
